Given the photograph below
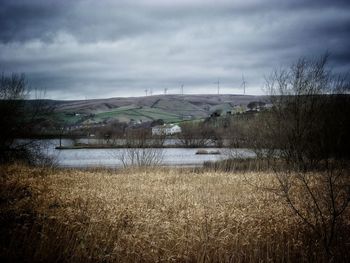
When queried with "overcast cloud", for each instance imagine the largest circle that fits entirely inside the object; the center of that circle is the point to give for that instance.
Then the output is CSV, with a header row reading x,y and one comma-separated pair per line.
x,y
97,49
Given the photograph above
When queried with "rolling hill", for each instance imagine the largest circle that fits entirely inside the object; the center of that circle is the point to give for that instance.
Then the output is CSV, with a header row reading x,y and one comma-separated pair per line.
x,y
170,108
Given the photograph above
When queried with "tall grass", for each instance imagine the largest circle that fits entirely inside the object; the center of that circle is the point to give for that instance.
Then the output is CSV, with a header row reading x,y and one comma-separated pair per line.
x,y
242,165
148,215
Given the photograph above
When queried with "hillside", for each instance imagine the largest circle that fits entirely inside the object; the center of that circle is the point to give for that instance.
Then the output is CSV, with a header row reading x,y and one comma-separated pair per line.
x,y
170,108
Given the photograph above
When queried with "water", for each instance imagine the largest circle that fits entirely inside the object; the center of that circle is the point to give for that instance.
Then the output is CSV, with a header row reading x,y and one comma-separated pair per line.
x,y
186,157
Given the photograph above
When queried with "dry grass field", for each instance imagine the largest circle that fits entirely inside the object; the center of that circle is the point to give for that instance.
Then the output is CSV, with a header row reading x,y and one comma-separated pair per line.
x,y
149,215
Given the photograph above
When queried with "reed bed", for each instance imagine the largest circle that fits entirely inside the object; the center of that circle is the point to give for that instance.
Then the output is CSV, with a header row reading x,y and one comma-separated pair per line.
x,y
147,215
244,164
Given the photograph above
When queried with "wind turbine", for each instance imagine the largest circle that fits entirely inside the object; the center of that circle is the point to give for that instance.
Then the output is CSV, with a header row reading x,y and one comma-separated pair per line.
x,y
146,90
218,83
165,91
243,84
182,89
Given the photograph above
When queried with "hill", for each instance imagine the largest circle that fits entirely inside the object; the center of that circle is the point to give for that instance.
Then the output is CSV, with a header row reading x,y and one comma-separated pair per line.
x,y
170,108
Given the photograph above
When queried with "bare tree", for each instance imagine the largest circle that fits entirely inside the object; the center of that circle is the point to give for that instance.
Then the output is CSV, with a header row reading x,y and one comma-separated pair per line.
x,y
140,157
141,150
196,135
18,119
307,125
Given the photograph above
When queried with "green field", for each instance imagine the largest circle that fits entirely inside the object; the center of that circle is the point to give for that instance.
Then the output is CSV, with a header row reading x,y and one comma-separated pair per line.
x,y
137,113
123,114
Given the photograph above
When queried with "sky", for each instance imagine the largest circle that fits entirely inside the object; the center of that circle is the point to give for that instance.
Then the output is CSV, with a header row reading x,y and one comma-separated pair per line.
x,y
87,49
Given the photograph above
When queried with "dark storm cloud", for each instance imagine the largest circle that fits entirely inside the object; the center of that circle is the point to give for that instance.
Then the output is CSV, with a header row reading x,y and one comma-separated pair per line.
x,y
110,20
24,20
87,48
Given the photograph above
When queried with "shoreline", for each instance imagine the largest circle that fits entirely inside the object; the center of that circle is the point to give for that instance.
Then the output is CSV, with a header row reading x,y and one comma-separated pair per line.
x,y
79,147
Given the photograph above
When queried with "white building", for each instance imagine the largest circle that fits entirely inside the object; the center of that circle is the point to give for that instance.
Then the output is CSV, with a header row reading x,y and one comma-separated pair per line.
x,y
166,129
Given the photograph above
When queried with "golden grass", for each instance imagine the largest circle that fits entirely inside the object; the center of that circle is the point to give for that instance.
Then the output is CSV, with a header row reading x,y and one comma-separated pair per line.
x,y
152,215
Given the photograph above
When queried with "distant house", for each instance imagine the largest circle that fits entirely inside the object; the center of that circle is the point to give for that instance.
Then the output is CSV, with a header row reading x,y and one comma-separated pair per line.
x,y
166,129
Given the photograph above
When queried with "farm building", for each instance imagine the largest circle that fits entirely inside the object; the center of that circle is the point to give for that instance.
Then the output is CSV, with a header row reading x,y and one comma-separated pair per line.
x,y
166,129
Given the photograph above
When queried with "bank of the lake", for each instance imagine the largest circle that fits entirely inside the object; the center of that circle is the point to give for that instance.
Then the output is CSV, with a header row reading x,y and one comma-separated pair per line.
x,y
95,143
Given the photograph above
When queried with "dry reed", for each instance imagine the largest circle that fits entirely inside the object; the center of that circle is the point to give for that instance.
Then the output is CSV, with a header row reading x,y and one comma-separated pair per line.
x,y
148,215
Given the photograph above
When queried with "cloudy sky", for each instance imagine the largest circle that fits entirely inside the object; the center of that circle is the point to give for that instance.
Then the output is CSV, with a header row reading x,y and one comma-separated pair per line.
x,y
97,49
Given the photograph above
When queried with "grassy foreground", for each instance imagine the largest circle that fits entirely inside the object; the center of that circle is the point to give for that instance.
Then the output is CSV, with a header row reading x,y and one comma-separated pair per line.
x,y
150,215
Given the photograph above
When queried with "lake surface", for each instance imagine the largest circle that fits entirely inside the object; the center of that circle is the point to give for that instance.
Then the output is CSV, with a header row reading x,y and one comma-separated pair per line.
x,y
186,157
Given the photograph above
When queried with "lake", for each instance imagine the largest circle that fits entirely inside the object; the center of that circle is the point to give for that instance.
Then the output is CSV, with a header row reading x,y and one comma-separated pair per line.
x,y
185,157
